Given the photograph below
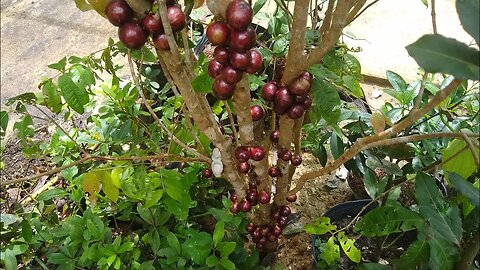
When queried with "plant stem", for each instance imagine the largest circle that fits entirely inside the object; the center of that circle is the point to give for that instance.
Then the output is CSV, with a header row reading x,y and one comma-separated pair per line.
x,y
232,122
469,252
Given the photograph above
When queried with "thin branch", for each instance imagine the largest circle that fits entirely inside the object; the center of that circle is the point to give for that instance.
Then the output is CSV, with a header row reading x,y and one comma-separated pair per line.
x,y
188,53
434,18
420,137
63,130
418,99
159,122
232,122
473,149
162,10
350,20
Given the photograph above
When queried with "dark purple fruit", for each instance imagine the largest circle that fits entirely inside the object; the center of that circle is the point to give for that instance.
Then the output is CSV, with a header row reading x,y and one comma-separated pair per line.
x,y
233,197
221,54
217,33
176,18
274,136
263,197
282,222
256,112
242,153
285,211
276,214
274,171
262,241
243,167
305,101
242,40
152,24
252,196
234,208
280,110
296,160
207,173
256,235
277,231
118,12
269,90
214,68
283,98
260,246
222,89
257,62
244,206
250,227
307,76
299,87
231,75
239,15
131,34
272,238
264,230
252,185
292,198
160,41
296,111
257,153
284,154
240,60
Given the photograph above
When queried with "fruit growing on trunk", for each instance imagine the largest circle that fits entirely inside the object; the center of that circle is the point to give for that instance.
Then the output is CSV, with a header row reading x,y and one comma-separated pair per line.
x,y
292,198
283,99
256,63
132,35
152,24
239,15
222,89
244,206
176,18
235,208
285,211
243,167
214,68
252,196
160,41
240,60
256,112
296,160
274,171
217,33
243,40
263,197
231,75
118,12
257,153
296,111
285,154
221,54
274,136
299,87
207,173
307,76
269,90
242,153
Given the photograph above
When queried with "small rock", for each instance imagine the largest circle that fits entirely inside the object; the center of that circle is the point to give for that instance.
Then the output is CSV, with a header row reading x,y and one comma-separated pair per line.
x,y
376,94
293,228
342,173
332,183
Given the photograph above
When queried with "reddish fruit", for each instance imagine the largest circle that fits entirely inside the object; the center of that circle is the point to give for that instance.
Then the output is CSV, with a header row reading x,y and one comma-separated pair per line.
x,y
207,173
282,222
250,227
274,171
296,160
307,76
274,136
234,208
252,185
152,24
269,90
217,33
292,198
242,153
214,68
259,246
280,110
299,87
243,167
160,41
283,98
272,238
296,111
240,60
233,197
176,18
256,112
276,214
256,235
285,211
131,34
118,12
242,40
244,206
277,231
257,153
221,54
222,89
264,230
252,196
263,197
285,154
262,241
239,15
257,62
231,75
305,101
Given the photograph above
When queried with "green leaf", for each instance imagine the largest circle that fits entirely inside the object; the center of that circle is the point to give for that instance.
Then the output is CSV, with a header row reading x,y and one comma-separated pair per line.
x,y
211,261
145,214
91,184
27,231
225,262
326,99
3,121
466,188
336,145
124,132
111,191
349,248
198,247
320,226
202,83
28,98
371,183
331,252
83,5
397,82
9,260
321,153
219,232
153,198
116,176
60,65
438,54
57,258
51,193
258,5
9,219
54,101
442,253
174,187
386,220
173,242
24,127
353,84
425,2
461,163
227,248
373,266
75,96
127,246
416,256
469,17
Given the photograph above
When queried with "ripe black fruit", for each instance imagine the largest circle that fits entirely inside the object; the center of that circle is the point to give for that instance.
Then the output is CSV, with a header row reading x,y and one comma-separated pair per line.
x,y
118,12
176,18
152,24
132,35
239,15
256,112
217,33
242,153
243,40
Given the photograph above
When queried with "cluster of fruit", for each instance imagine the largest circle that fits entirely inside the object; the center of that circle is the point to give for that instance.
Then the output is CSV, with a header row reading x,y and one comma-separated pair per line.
x,y
233,54
133,34
292,100
252,198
